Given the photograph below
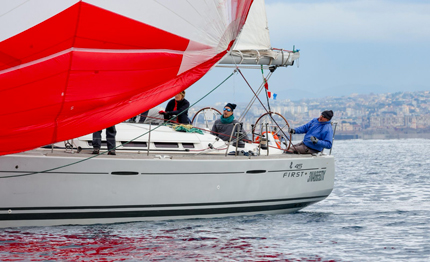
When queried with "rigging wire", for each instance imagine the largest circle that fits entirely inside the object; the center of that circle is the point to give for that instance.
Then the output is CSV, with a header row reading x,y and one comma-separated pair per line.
x,y
248,107
264,107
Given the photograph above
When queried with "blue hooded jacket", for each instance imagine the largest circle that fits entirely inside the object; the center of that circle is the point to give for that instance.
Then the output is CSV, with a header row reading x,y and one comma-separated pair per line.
x,y
321,130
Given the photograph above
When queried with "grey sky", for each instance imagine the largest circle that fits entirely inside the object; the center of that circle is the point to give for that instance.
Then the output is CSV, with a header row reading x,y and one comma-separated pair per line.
x,y
359,46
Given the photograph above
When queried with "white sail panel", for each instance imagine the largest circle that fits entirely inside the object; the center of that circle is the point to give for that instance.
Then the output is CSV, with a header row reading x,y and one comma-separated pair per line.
x,y
195,20
12,13
255,32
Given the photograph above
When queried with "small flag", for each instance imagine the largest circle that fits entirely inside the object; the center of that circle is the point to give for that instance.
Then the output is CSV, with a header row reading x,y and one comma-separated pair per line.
x,y
272,95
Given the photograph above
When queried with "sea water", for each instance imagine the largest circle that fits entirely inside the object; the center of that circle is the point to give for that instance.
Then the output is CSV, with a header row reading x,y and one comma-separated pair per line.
x,y
379,210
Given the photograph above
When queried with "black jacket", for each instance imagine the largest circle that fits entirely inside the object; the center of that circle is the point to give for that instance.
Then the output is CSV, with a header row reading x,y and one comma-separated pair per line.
x,y
182,105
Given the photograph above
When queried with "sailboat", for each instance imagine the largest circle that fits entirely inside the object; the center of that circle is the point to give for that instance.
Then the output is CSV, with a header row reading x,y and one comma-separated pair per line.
x,y
75,67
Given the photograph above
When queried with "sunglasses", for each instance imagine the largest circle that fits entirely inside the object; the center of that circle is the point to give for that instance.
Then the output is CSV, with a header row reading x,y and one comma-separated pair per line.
x,y
227,109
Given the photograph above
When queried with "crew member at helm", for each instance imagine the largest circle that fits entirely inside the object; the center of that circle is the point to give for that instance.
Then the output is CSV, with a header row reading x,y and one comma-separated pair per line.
x,y
223,127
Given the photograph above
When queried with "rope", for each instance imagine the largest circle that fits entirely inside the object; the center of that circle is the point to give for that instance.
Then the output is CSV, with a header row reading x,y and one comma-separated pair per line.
x,y
102,153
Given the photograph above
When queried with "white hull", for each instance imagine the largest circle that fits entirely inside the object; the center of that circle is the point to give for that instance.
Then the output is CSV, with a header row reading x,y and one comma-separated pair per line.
x,y
136,187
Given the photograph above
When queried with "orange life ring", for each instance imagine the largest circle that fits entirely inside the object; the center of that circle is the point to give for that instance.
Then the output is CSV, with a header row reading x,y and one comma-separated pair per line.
x,y
275,136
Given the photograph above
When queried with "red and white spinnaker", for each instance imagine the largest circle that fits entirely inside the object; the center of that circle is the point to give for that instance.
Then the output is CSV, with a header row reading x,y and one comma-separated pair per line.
x,y
69,68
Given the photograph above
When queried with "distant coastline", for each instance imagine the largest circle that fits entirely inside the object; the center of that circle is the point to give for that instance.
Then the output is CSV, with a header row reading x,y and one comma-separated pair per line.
x,y
397,115
384,134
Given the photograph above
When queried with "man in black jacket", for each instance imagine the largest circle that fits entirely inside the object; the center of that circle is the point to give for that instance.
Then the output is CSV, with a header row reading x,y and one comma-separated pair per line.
x,y
176,106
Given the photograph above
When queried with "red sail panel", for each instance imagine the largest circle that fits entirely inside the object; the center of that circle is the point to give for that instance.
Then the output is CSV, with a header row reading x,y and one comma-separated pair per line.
x,y
99,28
112,78
85,69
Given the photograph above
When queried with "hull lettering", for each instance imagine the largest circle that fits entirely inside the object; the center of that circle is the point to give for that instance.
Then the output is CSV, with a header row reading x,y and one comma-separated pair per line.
x,y
315,176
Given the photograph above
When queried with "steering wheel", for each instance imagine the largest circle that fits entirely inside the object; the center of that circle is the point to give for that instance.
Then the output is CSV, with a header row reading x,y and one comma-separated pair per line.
x,y
275,123
205,115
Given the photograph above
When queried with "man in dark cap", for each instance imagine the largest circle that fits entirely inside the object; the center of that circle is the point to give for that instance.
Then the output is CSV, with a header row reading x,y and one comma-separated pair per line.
x,y
319,134
223,127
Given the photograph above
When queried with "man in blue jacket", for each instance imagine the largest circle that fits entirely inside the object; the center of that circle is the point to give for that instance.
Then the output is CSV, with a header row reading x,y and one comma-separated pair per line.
x,y
319,134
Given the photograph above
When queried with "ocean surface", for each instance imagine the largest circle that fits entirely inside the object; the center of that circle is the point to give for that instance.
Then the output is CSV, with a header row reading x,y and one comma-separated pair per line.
x,y
379,210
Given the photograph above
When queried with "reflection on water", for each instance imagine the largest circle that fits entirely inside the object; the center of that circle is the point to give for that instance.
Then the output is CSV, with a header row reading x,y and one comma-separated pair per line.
x,y
378,211
230,239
